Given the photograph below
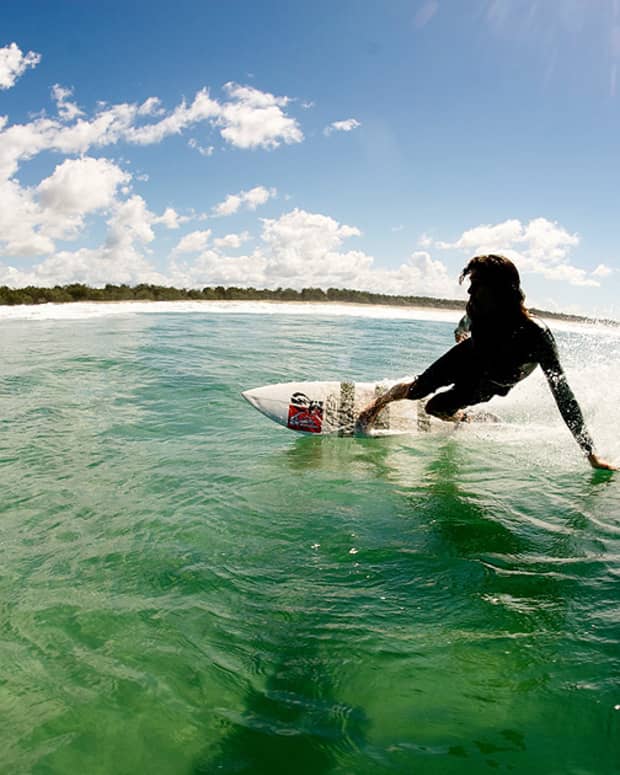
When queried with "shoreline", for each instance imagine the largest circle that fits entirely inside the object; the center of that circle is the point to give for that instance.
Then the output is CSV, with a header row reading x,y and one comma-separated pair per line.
x,y
442,306
442,312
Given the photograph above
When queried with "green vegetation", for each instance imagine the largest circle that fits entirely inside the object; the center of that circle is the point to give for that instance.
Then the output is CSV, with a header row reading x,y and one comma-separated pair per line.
x,y
61,294
78,292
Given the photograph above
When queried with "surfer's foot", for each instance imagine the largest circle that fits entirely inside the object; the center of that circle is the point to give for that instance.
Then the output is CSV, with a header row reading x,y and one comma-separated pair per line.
x,y
480,416
363,423
366,419
458,416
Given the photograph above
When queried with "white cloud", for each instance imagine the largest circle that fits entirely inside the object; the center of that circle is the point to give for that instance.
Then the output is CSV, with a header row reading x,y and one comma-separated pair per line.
x,y
302,249
171,219
32,218
13,64
118,260
68,111
229,206
420,276
194,242
131,222
342,126
602,271
255,119
249,119
487,239
20,219
539,246
251,199
81,185
193,143
183,116
297,249
215,268
547,241
151,107
232,240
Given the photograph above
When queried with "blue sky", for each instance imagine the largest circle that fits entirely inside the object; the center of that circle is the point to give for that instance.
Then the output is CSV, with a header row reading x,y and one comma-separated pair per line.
x,y
356,144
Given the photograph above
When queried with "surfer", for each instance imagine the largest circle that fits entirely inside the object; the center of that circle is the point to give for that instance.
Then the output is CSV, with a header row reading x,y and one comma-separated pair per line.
x,y
504,345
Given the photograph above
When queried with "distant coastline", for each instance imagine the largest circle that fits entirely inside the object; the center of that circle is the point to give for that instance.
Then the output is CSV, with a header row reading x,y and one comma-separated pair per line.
x,y
77,292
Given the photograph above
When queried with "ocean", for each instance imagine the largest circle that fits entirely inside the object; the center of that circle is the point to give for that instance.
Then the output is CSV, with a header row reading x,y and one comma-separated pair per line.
x,y
186,587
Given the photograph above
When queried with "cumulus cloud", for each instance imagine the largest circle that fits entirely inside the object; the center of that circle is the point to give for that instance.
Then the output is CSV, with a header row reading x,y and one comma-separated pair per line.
x,y
303,249
231,240
20,222
251,199
602,271
255,119
81,185
487,238
341,126
171,219
32,218
194,242
67,110
539,246
248,119
151,107
120,259
13,64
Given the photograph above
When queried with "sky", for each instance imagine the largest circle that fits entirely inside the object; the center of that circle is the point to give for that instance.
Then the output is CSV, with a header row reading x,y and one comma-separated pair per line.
x,y
350,144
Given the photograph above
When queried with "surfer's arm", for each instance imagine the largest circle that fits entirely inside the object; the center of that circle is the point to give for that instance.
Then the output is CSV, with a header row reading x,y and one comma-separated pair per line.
x,y
566,401
370,413
461,332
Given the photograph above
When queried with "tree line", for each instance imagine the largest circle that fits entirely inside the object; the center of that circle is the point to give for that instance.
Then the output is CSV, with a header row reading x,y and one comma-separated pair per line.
x,y
62,294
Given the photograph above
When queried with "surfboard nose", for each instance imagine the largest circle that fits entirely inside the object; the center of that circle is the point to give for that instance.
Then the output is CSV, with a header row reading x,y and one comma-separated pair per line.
x,y
249,396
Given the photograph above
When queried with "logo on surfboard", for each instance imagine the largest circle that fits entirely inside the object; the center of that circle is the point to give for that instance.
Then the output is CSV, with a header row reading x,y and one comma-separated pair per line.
x,y
304,414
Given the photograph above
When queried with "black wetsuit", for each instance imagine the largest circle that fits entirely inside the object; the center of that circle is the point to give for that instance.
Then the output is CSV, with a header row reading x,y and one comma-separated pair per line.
x,y
490,363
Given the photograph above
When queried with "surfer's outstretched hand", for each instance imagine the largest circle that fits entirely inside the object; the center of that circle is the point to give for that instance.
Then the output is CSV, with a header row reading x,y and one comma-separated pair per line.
x,y
597,462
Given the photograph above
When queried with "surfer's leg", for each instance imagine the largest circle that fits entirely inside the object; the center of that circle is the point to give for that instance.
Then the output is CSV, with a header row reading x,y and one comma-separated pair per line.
x,y
450,404
447,370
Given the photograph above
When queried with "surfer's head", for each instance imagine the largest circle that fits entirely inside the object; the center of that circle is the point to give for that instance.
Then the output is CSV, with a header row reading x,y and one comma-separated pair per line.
x,y
495,288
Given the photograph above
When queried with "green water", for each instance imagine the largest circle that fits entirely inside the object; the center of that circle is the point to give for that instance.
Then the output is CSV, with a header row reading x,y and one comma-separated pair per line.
x,y
187,588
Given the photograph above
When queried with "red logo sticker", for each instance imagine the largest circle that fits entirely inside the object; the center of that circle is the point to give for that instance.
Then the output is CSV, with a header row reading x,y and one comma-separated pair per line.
x,y
304,414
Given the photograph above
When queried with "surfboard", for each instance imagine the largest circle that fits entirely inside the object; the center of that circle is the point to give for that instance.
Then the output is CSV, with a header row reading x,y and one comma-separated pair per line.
x,y
331,408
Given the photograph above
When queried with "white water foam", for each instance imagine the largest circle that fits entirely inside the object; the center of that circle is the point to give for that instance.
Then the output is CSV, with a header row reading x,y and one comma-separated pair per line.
x,y
89,309
82,310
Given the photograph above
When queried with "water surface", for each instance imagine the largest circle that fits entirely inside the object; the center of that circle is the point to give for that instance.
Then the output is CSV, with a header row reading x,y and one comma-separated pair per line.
x,y
188,588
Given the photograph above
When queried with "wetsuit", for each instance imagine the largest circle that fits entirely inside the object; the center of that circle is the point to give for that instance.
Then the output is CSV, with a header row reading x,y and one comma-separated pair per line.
x,y
490,363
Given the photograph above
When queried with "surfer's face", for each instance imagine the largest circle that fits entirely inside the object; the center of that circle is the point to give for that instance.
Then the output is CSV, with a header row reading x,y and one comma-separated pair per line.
x,y
483,300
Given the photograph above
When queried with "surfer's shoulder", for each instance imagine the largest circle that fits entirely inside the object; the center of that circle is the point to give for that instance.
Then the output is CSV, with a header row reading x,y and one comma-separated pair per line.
x,y
541,340
535,326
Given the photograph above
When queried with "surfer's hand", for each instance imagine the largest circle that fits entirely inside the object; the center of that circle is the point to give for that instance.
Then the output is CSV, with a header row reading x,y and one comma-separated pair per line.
x,y
596,462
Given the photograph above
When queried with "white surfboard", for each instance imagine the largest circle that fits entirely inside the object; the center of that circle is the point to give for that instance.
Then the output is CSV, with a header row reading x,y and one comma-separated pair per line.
x,y
332,407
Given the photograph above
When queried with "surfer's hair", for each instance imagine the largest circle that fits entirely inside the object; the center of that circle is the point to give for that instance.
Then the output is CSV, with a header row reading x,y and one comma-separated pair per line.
x,y
502,276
